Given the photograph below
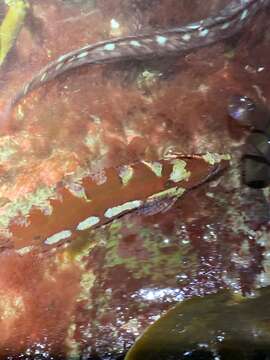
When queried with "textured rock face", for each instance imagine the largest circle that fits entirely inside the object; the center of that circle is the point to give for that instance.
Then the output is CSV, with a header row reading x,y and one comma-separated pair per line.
x,y
94,297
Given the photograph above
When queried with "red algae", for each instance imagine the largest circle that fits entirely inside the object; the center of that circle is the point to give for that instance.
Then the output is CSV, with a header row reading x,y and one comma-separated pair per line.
x,y
37,299
96,296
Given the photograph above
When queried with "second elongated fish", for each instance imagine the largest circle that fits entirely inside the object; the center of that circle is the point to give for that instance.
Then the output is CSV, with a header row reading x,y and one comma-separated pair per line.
x,y
230,20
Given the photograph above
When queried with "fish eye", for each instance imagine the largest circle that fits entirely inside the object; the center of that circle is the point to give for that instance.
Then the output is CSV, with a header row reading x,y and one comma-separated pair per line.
x,y
240,108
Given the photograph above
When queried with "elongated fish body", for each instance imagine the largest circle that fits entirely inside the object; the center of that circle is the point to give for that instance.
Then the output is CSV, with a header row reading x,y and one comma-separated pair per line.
x,y
146,187
179,40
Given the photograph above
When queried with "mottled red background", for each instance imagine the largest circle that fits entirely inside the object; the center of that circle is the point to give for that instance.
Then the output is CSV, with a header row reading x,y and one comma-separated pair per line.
x,y
96,296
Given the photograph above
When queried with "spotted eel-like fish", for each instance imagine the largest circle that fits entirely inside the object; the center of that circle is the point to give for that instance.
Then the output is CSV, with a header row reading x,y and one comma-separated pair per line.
x,y
146,187
226,23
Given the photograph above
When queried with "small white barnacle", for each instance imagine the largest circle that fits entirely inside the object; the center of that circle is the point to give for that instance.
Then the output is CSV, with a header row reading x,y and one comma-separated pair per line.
x,y
161,40
225,26
117,210
126,173
244,14
155,166
109,47
135,43
203,32
179,171
186,37
43,77
88,223
82,55
55,238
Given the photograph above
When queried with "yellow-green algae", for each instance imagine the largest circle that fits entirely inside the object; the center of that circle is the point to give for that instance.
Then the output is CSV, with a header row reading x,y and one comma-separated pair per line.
x,y
22,206
8,147
38,199
77,253
174,192
214,158
147,78
109,239
126,174
154,243
155,166
179,171
233,327
11,26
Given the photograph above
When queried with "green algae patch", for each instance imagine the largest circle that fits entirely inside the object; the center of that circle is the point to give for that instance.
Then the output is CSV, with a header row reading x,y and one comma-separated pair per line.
x,y
158,258
229,326
214,158
11,26
40,199
8,148
179,171
147,78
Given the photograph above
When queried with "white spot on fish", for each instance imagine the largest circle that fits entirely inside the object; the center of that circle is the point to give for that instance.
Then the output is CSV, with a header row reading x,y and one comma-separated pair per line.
x,y
126,174
109,47
193,26
117,210
25,90
135,43
179,171
244,14
155,166
225,26
203,32
70,60
62,58
58,237
88,223
82,55
186,37
43,77
161,40
58,66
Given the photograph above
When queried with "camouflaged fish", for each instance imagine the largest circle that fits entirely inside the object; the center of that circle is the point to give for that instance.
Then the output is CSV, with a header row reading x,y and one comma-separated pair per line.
x,y
226,23
146,187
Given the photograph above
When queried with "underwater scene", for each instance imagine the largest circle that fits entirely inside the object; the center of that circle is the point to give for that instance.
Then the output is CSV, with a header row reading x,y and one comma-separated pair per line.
x,y
135,179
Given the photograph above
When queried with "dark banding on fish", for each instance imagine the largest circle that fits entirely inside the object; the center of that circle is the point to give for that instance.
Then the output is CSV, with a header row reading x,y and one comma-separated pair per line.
x,y
226,23
256,155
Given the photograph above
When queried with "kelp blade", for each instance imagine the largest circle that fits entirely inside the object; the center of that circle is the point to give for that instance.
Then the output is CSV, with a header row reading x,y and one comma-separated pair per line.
x,y
222,326
11,26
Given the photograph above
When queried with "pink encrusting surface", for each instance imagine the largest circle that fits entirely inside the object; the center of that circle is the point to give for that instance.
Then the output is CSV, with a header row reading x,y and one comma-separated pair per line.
x,y
32,310
98,294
